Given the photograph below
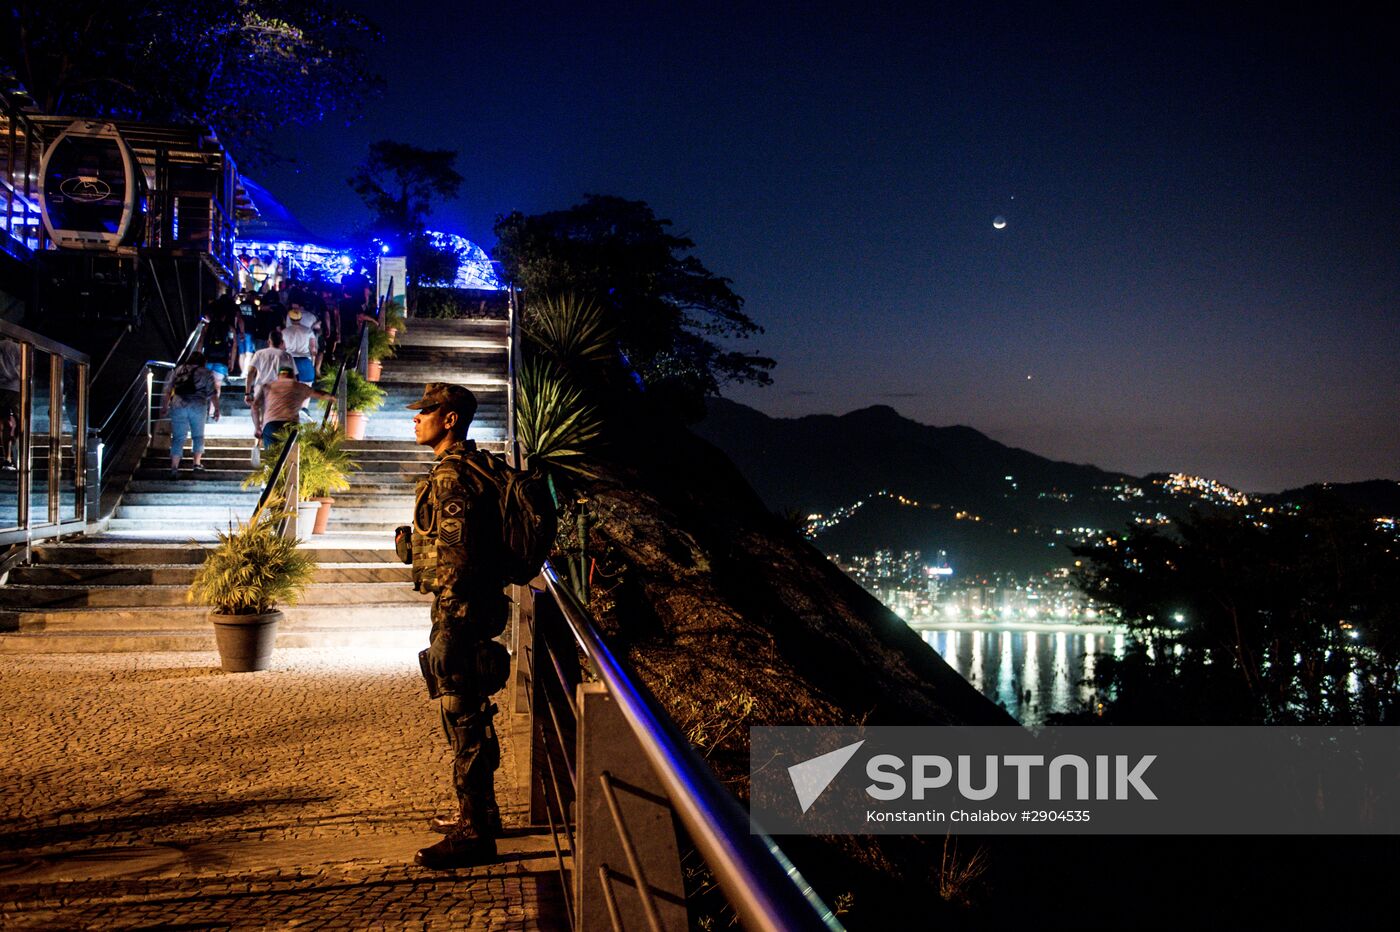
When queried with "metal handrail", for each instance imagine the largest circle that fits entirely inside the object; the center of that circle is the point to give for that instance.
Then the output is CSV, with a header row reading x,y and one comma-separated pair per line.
x,y
351,358
123,414
348,359
142,380
764,887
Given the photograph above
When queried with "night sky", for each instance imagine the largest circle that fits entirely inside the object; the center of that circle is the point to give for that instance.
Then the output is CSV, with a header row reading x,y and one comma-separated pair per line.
x,y
1198,269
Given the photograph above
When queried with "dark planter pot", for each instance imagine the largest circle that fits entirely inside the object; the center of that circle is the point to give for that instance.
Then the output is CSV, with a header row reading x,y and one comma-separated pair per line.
x,y
245,641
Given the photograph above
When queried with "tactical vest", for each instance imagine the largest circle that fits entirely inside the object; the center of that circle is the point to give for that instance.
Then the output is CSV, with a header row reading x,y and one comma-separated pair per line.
x,y
424,538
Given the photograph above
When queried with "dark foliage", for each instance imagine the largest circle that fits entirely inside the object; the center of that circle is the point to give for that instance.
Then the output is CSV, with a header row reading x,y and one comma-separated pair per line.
x,y
249,69
399,183
1284,616
670,310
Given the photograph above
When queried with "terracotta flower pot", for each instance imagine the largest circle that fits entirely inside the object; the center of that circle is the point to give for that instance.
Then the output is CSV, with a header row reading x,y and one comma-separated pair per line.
x,y
357,422
393,333
374,369
245,642
323,514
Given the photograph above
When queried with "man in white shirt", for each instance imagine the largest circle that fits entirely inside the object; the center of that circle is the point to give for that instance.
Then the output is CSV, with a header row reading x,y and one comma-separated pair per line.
x,y
300,342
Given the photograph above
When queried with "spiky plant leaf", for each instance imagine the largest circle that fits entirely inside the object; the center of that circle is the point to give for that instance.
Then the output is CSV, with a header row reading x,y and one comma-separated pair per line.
x,y
555,424
571,329
253,568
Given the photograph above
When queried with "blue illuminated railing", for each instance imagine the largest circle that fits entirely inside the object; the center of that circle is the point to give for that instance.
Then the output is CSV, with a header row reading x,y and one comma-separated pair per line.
x,y
766,891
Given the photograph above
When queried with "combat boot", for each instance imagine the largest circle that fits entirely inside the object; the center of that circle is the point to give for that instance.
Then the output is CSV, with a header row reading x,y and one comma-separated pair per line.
x,y
457,850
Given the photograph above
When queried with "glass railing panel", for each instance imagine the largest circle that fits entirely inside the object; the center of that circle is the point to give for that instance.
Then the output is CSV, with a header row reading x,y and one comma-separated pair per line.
x,y
11,353
41,423
70,442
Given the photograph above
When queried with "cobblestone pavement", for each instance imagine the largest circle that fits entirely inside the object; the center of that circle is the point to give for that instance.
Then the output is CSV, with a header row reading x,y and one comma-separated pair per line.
x,y
152,790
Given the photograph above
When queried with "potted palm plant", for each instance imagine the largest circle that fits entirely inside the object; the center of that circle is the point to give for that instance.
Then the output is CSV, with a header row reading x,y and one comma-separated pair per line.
x,y
381,347
250,572
361,397
395,322
324,468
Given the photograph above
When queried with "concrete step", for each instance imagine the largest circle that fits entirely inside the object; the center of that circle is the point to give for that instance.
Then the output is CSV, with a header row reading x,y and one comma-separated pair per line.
x,y
192,617
188,474
184,488
371,446
88,630
181,515
169,574
409,372
464,353
388,517
117,641
178,497
417,327
351,524
126,553
167,595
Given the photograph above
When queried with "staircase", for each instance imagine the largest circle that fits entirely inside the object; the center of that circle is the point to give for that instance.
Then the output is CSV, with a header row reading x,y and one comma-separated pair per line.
x,y
105,595
466,352
124,589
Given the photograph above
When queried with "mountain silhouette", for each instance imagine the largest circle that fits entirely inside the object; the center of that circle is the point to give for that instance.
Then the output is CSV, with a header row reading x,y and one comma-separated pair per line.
x,y
990,506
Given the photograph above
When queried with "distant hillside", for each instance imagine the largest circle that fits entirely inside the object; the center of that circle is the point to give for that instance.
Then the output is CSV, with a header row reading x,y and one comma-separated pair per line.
x,y
816,462
1375,497
992,507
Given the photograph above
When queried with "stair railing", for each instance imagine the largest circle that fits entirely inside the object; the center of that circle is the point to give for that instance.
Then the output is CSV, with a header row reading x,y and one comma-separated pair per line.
x,y
46,490
286,469
609,770
129,426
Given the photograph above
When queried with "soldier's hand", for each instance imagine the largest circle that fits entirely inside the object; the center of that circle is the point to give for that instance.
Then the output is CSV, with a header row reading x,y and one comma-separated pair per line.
x,y
403,543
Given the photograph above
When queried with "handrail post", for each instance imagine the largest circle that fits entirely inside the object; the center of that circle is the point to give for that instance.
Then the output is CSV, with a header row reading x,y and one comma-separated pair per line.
x,y
342,395
512,350
627,859
293,487
150,400
763,886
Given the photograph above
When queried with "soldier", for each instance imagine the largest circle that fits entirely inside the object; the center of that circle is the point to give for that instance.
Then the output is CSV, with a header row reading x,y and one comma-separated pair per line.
x,y
457,554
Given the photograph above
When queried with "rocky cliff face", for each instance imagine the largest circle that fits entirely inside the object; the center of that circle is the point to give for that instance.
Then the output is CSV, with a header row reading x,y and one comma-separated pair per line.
x,y
734,620
705,587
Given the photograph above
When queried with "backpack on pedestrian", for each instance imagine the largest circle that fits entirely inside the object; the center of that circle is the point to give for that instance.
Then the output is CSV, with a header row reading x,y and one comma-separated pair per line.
x,y
529,519
186,386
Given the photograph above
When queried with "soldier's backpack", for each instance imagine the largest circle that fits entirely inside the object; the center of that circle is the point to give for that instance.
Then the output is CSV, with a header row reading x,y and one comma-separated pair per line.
x,y
528,517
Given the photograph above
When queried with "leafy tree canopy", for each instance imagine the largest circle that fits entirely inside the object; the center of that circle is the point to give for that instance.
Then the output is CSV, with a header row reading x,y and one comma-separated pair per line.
x,y
1276,617
668,308
399,183
246,68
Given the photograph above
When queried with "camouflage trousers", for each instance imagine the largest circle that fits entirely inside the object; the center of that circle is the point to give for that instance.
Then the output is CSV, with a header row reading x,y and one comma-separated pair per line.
x,y
463,671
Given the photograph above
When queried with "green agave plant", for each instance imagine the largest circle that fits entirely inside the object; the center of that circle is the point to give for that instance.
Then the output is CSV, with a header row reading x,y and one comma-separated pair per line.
x,y
570,328
252,569
555,424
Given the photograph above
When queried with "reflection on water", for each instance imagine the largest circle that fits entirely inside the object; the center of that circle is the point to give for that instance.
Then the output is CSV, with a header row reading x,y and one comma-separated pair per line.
x,y
1031,672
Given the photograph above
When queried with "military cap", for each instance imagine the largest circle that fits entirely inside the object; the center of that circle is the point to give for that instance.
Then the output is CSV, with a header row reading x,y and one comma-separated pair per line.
x,y
453,397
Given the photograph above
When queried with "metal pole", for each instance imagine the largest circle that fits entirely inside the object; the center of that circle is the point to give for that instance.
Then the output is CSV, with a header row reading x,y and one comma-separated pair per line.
x,y
342,393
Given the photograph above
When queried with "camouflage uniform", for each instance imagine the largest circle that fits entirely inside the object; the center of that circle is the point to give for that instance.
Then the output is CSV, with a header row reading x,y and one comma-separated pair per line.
x,y
457,547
